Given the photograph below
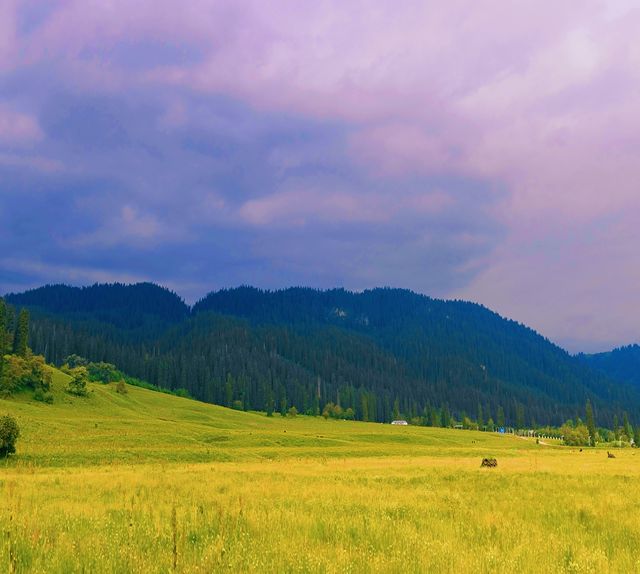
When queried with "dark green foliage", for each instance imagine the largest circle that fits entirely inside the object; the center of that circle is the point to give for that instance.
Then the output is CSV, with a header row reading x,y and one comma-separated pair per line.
x,y
21,339
307,348
9,433
73,361
128,307
5,330
591,423
103,372
621,364
121,388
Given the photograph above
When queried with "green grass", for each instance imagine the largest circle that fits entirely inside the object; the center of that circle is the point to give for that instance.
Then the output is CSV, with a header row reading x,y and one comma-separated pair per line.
x,y
145,481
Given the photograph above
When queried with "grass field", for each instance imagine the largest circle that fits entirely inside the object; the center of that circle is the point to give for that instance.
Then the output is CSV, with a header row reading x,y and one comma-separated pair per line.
x,y
147,482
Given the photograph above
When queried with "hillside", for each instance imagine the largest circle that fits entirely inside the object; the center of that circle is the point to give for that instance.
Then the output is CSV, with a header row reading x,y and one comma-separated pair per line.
x,y
149,426
622,364
382,353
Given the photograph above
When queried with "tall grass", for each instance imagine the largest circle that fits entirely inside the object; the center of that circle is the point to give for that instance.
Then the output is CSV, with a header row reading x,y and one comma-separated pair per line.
x,y
152,483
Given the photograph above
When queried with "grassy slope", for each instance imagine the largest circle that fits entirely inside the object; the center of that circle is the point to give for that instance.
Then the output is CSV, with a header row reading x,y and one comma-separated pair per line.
x,y
153,483
147,426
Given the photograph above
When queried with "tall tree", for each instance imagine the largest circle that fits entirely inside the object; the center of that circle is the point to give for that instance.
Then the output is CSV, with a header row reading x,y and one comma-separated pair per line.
x,y
21,341
591,423
628,430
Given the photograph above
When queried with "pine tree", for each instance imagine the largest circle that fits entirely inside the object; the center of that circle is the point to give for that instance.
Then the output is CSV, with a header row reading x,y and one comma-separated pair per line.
x,y
396,409
628,430
591,423
480,420
500,417
21,341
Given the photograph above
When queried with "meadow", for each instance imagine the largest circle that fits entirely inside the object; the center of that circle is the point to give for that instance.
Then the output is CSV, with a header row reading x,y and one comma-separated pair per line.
x,y
147,482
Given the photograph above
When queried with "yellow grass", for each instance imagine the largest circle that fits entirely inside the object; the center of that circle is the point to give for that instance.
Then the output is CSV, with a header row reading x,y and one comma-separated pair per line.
x,y
153,483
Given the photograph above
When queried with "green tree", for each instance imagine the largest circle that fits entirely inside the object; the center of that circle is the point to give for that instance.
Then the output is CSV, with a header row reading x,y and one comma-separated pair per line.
x,y
21,340
446,417
396,409
292,412
365,407
575,435
591,423
520,423
636,436
228,391
78,383
616,427
9,433
270,403
500,419
480,418
5,336
628,429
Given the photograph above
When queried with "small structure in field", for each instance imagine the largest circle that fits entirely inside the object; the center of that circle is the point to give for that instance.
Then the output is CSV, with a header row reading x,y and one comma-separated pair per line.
x,y
401,423
489,462
610,455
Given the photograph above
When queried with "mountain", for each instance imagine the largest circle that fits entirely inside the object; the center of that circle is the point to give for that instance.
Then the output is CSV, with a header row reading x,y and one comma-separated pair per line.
x,y
622,364
380,353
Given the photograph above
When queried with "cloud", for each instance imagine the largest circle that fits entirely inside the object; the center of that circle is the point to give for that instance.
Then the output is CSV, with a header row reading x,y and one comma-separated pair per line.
x,y
17,128
455,148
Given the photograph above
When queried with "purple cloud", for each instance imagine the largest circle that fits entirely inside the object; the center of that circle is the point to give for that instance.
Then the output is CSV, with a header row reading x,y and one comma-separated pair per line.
x,y
483,151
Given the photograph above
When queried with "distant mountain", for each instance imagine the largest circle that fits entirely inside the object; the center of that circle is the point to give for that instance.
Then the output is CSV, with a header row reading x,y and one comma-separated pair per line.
x,y
621,364
377,352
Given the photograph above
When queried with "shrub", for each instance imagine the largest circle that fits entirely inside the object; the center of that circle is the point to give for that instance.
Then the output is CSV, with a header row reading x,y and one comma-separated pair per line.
x,y
103,373
121,388
9,433
78,384
292,412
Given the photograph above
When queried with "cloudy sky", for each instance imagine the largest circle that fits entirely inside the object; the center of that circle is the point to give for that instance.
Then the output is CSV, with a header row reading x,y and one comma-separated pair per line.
x,y
480,150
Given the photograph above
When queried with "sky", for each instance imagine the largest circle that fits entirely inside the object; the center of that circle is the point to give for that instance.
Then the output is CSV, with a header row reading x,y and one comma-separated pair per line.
x,y
486,151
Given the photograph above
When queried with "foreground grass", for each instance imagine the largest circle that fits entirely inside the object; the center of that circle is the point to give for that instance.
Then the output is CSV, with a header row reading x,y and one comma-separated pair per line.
x,y
152,483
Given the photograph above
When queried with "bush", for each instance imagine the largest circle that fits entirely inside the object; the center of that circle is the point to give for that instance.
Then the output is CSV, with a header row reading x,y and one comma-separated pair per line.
x,y
121,388
78,384
9,433
292,412
103,373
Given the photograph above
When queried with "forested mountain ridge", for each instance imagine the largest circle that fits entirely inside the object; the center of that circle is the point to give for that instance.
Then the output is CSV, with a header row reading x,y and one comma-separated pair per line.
x,y
621,364
379,353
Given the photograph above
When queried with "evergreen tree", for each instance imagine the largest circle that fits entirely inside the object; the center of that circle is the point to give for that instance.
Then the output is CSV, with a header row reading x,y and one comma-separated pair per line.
x,y
628,430
270,403
500,420
591,423
21,341
446,416
480,420
396,409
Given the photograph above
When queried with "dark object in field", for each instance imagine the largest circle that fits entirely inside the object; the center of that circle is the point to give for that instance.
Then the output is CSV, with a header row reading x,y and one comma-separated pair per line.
x,y
610,455
489,462
580,450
